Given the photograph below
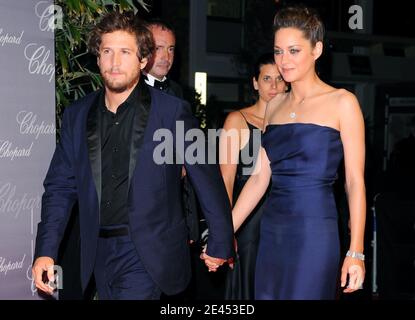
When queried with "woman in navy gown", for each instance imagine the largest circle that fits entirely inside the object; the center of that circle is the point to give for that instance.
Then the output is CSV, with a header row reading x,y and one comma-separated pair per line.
x,y
243,127
307,133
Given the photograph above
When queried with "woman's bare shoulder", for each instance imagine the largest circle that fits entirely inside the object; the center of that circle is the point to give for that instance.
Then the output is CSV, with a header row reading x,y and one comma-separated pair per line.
x,y
345,99
234,120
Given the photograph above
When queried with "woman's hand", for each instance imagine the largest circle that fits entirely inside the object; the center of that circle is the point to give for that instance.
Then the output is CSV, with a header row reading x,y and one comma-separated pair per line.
x,y
354,269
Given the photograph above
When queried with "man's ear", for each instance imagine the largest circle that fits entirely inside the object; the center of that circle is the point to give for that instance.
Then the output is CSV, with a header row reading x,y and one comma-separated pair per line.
x,y
318,50
143,63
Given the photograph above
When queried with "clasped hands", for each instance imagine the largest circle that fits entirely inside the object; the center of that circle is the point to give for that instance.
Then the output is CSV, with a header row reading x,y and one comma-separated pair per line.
x,y
213,263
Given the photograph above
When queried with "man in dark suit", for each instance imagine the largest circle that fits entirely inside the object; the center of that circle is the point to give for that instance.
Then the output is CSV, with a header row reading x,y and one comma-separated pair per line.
x,y
159,65
133,235
155,75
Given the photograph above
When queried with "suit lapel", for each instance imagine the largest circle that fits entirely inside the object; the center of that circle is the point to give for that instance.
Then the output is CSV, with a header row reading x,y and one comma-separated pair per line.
x,y
141,115
94,142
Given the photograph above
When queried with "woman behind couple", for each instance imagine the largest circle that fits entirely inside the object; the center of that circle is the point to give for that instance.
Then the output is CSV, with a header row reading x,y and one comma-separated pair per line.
x,y
246,124
307,131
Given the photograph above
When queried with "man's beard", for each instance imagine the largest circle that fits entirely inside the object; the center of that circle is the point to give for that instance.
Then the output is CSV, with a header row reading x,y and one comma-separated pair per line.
x,y
120,87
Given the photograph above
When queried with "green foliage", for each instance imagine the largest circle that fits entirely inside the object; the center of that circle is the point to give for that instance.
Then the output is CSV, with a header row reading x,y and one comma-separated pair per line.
x,y
194,99
75,74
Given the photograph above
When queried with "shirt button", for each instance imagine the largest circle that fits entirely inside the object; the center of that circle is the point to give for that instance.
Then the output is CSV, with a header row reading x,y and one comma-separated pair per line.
x,y
116,123
115,149
108,204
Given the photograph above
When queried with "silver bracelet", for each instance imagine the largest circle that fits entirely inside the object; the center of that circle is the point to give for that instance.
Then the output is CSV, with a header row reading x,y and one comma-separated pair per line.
x,y
354,254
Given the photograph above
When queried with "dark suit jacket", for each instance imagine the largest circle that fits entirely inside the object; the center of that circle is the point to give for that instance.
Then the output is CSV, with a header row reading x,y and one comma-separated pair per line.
x,y
174,89
190,203
156,219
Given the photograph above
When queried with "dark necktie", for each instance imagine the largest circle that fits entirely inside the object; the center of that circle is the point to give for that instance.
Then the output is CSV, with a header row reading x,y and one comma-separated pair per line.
x,y
162,85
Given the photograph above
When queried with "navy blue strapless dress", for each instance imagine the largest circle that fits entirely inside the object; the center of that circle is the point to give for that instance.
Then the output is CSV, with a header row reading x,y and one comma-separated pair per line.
x,y
298,254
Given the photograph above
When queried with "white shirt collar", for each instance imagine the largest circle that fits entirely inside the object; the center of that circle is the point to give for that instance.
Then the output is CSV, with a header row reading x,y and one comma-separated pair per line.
x,y
150,79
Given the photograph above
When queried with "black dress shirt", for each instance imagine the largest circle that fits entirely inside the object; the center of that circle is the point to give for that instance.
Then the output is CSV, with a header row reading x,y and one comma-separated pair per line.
x,y
116,131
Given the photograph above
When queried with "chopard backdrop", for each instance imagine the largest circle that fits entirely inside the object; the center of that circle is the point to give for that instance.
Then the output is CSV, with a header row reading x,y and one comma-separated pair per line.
x,y
27,134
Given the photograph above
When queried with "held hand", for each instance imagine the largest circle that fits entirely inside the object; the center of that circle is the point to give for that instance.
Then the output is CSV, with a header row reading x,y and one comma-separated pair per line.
x,y
355,269
211,262
40,266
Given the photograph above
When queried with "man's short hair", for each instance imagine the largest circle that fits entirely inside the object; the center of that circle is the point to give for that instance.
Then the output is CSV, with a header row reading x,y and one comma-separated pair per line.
x,y
126,21
157,22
